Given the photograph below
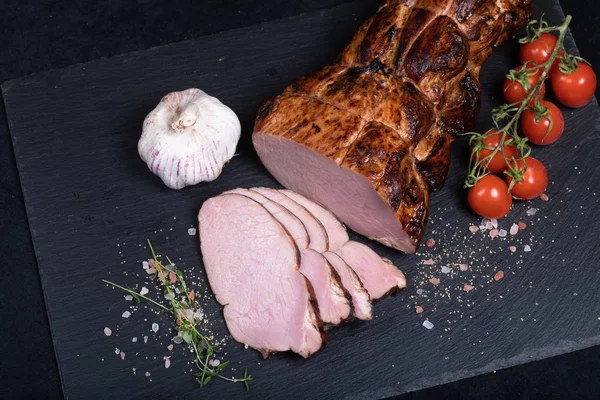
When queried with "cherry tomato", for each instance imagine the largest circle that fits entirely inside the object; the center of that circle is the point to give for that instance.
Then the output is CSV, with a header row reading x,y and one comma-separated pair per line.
x,y
535,180
515,92
498,163
575,89
539,50
489,197
539,132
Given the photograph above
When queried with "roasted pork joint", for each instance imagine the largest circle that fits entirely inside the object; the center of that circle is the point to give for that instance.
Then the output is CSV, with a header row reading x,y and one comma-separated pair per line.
x,y
370,137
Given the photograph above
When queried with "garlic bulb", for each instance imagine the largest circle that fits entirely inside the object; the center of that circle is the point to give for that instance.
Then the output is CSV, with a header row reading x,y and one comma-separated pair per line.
x,y
188,138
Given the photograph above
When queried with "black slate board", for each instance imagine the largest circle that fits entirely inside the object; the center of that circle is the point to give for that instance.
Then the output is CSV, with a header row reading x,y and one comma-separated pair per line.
x,y
75,131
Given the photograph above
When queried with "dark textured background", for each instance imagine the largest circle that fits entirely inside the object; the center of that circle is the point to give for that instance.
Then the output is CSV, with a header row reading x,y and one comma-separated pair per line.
x,y
51,34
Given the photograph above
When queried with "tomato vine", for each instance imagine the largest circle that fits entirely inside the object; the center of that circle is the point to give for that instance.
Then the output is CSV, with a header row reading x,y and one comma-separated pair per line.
x,y
506,116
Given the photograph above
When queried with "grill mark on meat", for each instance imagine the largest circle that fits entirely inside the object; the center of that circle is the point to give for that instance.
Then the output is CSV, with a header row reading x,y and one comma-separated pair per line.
x,y
436,49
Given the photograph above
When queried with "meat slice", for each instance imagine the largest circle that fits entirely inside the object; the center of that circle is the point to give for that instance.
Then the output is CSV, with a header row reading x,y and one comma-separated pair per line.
x,y
332,299
370,136
336,231
316,232
361,301
290,222
378,275
267,304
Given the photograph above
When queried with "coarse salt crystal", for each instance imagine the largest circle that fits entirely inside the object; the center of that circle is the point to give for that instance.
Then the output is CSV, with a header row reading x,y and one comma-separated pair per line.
x,y
489,226
427,324
155,327
150,271
145,339
464,267
522,225
147,373
473,228
419,291
512,249
216,363
435,281
531,212
429,262
134,339
122,354
494,223
445,270
170,347
192,231
419,309
169,296
198,315
107,331
467,288
544,197
430,243
499,275
177,340
117,351
527,248
145,264
144,291
493,233
502,233
167,361
129,297
126,314
514,229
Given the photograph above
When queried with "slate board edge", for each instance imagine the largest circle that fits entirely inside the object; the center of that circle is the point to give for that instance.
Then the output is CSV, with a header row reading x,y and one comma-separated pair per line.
x,y
540,353
35,250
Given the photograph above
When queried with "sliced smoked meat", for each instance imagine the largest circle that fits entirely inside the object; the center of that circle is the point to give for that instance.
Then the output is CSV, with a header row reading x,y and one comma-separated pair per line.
x,y
267,304
361,301
378,275
333,301
318,236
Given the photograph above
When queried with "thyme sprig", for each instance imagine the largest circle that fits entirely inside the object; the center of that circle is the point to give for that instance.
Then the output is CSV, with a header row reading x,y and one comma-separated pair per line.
x,y
506,116
188,317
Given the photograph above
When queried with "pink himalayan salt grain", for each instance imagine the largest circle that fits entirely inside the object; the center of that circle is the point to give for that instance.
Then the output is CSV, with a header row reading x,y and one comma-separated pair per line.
x,y
512,249
493,233
122,354
473,228
499,275
429,262
544,197
522,225
467,288
430,243
435,281
147,373
419,309
170,347
464,267
107,331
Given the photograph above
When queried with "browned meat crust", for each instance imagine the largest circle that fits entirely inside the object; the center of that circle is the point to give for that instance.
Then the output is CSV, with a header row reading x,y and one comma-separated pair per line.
x,y
391,106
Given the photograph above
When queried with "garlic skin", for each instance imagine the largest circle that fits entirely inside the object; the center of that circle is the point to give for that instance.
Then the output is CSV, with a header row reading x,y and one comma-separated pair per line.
x,y
188,138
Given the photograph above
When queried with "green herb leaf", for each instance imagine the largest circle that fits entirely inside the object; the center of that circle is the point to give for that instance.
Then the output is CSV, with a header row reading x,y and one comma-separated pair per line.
x,y
181,311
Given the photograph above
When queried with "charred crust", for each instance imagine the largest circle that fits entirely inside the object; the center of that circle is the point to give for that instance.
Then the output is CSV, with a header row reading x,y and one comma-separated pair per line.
x,y
266,108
